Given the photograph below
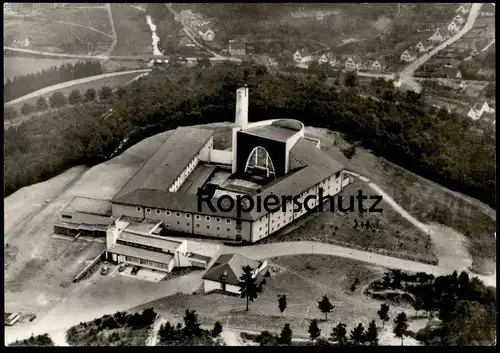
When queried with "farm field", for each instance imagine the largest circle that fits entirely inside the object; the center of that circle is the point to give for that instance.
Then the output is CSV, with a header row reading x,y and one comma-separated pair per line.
x,y
111,82
96,18
56,37
132,31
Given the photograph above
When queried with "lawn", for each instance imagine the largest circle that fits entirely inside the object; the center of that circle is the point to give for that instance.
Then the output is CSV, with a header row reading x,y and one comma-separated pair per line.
x,y
91,17
304,279
132,30
112,82
57,37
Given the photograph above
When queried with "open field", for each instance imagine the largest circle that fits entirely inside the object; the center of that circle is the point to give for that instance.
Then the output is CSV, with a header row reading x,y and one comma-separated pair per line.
x,y
304,279
57,37
111,82
134,34
96,18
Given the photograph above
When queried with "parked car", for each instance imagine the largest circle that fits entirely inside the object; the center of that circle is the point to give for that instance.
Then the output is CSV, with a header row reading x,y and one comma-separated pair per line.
x,y
104,270
135,270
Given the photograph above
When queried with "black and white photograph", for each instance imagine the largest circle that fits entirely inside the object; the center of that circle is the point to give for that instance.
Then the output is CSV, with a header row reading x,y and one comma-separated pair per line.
x,y
249,174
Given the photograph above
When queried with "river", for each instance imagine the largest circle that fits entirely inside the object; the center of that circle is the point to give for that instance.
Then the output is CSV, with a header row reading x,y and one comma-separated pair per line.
x,y
155,38
19,66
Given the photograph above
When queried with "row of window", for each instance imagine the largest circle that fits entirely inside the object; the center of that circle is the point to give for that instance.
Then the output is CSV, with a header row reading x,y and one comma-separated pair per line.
x,y
188,215
146,262
198,226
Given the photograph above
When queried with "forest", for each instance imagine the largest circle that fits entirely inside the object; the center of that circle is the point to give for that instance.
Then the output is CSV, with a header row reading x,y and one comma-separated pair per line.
x,y
399,126
22,85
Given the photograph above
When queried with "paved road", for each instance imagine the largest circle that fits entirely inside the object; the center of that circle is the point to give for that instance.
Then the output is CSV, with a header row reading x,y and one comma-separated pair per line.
x,y
71,83
410,69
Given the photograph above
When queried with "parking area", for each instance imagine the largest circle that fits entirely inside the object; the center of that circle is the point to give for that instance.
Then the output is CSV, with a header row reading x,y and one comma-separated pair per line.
x,y
145,274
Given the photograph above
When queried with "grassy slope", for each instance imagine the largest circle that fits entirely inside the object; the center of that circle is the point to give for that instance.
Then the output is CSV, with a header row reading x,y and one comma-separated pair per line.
x,y
134,34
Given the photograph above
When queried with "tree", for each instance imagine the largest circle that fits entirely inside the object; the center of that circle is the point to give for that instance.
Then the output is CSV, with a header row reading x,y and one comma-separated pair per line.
x,y
120,92
490,90
89,95
400,326
57,100
9,113
74,97
217,330
105,92
166,332
383,313
339,334
282,303
286,335
313,67
248,287
314,330
27,108
325,306
191,324
358,335
266,338
372,334
351,80
41,104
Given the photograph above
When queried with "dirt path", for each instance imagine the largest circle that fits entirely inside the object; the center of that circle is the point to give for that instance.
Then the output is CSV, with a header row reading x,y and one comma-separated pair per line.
x,y
113,29
88,27
152,339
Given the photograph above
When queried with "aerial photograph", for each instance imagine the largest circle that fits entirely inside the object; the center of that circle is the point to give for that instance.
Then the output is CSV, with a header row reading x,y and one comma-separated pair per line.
x,y
249,174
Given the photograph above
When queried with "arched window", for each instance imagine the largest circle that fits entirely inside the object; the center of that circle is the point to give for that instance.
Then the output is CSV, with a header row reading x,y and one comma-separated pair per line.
x,y
260,161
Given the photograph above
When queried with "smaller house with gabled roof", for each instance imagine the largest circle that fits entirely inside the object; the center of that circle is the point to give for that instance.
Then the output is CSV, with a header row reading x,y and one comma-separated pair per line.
x,y
302,55
453,27
224,275
437,36
459,19
352,63
408,56
452,72
420,48
462,10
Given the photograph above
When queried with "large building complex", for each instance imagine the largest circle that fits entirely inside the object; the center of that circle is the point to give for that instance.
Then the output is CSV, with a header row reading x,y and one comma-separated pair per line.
x,y
272,157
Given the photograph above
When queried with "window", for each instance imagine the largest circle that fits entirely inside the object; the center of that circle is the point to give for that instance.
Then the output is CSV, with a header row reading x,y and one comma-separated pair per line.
x,y
218,219
198,217
207,218
168,225
218,228
158,211
188,224
178,222
198,225
148,210
228,221
188,215
139,209
208,227
228,230
66,216
168,213
178,214
337,174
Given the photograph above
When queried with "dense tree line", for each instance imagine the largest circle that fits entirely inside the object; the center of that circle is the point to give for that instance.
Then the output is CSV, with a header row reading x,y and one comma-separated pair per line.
x,y
395,125
191,334
22,85
34,341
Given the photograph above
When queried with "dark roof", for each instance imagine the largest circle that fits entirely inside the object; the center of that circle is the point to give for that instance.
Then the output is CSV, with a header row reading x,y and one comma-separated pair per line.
x,y
166,164
487,7
271,132
237,45
308,165
88,205
228,268
450,71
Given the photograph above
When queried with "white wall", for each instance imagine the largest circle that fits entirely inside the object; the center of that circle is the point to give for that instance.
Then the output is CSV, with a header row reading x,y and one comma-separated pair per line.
x,y
220,157
209,286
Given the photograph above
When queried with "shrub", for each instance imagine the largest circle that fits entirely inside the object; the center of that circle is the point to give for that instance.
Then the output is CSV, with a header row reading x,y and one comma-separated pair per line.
x,y
27,108
41,104
57,100
74,97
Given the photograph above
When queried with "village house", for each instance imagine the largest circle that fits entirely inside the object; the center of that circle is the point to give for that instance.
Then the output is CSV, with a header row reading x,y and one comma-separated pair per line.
x,y
302,56
479,111
462,10
224,275
487,10
352,63
437,37
408,56
453,27
237,48
376,66
459,19
420,48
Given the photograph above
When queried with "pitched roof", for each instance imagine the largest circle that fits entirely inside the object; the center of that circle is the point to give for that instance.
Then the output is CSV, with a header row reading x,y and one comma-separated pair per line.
x,y
141,253
89,206
304,52
450,71
228,268
166,164
487,7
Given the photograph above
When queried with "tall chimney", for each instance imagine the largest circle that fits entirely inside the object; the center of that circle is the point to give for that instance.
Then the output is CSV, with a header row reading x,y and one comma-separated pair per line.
x,y
242,107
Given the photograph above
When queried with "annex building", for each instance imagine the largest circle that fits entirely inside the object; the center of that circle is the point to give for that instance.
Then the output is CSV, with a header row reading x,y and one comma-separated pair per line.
x,y
271,157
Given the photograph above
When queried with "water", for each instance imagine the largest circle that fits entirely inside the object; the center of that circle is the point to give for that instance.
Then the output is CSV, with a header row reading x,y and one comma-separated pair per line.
x,y
19,66
156,39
